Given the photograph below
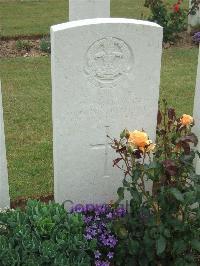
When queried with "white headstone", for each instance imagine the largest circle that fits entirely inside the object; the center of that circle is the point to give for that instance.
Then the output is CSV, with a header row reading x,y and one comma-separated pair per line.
x,y
194,20
86,9
105,77
196,113
4,188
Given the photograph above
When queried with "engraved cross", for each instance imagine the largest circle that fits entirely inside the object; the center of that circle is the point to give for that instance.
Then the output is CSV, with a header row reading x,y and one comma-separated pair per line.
x,y
105,147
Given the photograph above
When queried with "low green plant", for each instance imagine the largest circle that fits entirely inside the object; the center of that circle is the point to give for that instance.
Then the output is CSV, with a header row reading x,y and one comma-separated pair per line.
x,y
45,45
163,224
23,45
43,234
172,20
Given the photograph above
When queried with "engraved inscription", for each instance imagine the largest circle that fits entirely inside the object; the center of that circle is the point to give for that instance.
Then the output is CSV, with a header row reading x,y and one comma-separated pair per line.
x,y
105,147
108,60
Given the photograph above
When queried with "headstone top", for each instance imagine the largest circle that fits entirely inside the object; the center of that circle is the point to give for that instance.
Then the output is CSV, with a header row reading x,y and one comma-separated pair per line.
x,y
95,21
84,9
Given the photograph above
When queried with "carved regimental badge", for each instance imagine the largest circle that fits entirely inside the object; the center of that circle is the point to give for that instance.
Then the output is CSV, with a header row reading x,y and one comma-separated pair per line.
x,y
107,61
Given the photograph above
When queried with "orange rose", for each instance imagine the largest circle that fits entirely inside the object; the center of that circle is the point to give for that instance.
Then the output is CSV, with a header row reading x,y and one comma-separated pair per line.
x,y
138,139
186,120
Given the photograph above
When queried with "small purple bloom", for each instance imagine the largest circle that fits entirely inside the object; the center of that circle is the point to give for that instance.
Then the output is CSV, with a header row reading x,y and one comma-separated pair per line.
x,y
102,263
87,219
97,218
79,208
97,254
89,207
110,255
109,215
120,212
88,237
196,37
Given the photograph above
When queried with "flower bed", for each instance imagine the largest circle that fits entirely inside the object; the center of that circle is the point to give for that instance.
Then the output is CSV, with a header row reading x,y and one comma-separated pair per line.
x,y
160,224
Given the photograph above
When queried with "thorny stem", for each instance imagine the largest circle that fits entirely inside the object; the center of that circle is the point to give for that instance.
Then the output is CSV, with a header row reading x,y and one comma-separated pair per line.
x,y
141,185
165,129
142,177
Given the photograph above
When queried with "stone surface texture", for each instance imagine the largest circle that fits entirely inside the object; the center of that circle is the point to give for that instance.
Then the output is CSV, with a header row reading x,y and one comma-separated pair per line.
x,y
196,113
4,188
105,77
87,9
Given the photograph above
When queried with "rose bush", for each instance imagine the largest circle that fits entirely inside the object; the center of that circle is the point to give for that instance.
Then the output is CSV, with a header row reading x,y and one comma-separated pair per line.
x,y
163,225
173,19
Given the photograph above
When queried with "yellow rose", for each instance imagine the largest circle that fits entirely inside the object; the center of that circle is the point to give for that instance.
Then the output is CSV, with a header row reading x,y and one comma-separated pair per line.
x,y
186,120
138,139
151,147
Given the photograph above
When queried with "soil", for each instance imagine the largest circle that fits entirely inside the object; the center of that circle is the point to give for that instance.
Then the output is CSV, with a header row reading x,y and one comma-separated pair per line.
x,y
8,48
21,202
184,40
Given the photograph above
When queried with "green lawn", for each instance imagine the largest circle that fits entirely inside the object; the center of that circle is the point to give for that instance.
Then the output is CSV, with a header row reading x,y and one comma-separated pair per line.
x,y
27,106
27,112
30,17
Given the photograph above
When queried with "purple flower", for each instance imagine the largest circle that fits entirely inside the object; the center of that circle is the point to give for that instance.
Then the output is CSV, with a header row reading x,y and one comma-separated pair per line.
x,y
110,255
120,212
111,241
90,231
88,237
87,219
196,37
79,208
102,263
98,220
109,215
97,254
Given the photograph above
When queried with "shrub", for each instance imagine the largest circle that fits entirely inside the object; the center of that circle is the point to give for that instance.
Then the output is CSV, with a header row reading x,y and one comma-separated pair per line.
x,y
45,45
43,235
23,45
172,20
163,225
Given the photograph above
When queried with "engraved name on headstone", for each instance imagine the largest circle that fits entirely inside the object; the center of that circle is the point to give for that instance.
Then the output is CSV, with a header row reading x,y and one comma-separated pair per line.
x,y
105,77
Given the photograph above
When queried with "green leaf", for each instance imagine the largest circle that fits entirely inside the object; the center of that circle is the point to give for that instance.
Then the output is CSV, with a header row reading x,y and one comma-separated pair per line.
x,y
195,243
133,247
179,247
160,245
177,194
120,193
126,183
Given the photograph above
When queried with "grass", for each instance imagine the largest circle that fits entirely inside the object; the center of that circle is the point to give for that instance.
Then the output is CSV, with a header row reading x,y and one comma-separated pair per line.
x,y
178,78
27,105
27,113
33,17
